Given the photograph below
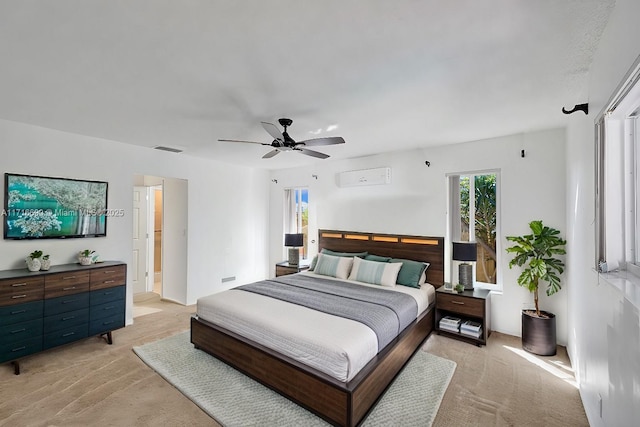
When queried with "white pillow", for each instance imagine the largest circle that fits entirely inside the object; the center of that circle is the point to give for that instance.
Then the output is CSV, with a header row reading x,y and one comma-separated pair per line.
x,y
377,273
334,266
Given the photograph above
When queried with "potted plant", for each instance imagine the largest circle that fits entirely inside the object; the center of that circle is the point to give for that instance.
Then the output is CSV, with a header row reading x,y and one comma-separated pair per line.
x,y
537,253
85,257
33,261
45,262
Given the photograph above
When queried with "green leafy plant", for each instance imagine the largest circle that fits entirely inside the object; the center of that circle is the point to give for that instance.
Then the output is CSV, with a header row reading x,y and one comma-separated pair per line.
x,y
537,252
36,254
45,257
86,253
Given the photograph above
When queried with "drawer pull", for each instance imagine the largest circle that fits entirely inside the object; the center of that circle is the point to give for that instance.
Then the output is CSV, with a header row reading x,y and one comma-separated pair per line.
x,y
68,334
109,272
18,330
70,288
68,277
458,302
16,285
108,323
109,308
68,318
18,311
19,296
109,281
69,301
19,348
107,293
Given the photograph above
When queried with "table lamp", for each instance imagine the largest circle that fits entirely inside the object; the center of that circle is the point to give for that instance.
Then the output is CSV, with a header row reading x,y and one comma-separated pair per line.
x,y
294,242
465,251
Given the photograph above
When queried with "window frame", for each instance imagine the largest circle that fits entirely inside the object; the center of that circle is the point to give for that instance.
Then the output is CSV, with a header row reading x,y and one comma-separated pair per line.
x,y
454,211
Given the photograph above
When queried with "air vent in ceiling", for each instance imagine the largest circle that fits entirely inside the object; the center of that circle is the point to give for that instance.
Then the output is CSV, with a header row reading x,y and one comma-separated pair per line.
x,y
169,149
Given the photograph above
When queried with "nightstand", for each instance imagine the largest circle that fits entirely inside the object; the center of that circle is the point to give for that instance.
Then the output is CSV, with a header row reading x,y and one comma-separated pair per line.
x,y
474,305
284,268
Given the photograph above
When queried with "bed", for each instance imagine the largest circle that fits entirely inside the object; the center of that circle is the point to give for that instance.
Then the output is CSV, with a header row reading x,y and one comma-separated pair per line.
x,y
343,396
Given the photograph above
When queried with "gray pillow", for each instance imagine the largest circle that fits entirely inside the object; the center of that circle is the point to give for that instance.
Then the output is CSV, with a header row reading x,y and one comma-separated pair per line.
x,y
344,254
377,258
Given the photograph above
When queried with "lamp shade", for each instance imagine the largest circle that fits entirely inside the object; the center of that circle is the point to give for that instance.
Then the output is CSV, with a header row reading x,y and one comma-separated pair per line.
x,y
293,240
464,251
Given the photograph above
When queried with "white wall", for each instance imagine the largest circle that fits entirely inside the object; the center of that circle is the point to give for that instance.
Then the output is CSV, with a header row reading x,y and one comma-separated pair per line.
x,y
604,327
532,188
227,230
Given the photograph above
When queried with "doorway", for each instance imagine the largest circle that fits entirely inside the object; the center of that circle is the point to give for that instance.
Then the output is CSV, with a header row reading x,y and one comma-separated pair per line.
x,y
159,238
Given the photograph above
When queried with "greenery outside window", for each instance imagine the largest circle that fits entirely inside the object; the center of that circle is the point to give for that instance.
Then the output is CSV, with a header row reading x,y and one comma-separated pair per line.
x,y
474,216
296,215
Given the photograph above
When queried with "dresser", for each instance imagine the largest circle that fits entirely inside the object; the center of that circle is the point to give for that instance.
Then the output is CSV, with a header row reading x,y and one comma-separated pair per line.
x,y
284,268
45,309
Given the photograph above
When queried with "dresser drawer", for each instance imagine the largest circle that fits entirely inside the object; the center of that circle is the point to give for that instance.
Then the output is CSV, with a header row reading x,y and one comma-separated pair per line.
x,y
57,285
20,331
65,320
21,312
106,324
107,295
460,304
14,351
24,289
66,303
108,277
65,336
107,309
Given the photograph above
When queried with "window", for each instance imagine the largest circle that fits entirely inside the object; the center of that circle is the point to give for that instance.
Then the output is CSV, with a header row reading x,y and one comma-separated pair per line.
x,y
617,164
296,214
474,216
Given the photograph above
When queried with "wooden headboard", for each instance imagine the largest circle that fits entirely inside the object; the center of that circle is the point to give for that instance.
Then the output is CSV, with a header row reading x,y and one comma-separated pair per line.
x,y
418,248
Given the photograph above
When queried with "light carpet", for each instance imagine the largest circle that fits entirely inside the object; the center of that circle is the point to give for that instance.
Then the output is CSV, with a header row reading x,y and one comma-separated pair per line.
x,y
234,399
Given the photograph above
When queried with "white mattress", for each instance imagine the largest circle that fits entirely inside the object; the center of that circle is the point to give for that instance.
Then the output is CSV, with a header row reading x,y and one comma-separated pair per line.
x,y
336,346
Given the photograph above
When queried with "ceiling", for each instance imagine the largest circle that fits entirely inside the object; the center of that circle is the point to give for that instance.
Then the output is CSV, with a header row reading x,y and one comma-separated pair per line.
x,y
385,75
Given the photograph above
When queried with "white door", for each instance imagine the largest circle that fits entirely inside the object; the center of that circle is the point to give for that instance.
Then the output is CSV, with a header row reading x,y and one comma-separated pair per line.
x,y
140,236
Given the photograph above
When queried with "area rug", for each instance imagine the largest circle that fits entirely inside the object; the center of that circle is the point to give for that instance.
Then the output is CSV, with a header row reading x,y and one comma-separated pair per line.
x,y
234,399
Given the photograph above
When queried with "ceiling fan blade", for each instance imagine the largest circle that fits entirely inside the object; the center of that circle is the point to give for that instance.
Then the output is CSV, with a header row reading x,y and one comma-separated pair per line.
x,y
312,153
246,142
332,140
271,153
273,131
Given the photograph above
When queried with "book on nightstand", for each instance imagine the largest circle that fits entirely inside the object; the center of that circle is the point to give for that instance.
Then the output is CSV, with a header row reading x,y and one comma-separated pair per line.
x,y
450,323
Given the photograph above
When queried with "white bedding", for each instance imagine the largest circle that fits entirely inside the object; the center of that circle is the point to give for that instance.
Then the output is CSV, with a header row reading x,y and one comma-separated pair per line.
x,y
336,346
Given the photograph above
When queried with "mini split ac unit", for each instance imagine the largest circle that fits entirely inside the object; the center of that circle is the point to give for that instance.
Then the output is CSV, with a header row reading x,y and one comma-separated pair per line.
x,y
375,176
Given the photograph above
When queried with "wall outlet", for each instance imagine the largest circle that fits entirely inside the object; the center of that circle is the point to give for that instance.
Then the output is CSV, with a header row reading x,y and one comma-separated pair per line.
x,y
228,279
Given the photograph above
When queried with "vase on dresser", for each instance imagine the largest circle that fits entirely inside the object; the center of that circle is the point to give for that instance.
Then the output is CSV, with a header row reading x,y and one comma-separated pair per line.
x,y
45,264
33,264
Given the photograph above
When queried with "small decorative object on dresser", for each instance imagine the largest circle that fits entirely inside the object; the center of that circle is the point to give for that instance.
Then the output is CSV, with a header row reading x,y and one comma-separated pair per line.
x,y
45,263
85,257
33,261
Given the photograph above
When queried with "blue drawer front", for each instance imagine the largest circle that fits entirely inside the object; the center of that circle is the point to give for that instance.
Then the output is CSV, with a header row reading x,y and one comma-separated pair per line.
x,y
66,336
66,303
65,320
21,312
107,309
14,351
102,296
20,331
106,324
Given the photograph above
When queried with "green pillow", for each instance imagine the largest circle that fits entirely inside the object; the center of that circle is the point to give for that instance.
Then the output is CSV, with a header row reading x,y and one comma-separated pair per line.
x,y
410,272
377,258
314,261
344,254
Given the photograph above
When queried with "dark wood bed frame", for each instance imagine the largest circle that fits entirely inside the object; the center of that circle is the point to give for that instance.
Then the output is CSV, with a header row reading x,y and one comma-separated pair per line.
x,y
339,403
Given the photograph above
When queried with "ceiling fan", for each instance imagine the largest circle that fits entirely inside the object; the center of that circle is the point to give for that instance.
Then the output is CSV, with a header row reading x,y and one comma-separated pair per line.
x,y
283,142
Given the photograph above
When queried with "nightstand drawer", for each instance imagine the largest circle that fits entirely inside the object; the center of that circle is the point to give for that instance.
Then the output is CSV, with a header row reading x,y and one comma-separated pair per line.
x,y
460,304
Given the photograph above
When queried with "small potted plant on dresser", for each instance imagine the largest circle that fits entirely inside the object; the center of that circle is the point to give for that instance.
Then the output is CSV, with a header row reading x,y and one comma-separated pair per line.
x,y
537,252
85,257
34,261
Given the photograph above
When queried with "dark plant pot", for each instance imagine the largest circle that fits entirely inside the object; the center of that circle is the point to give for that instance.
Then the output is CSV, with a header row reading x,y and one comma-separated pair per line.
x,y
539,334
